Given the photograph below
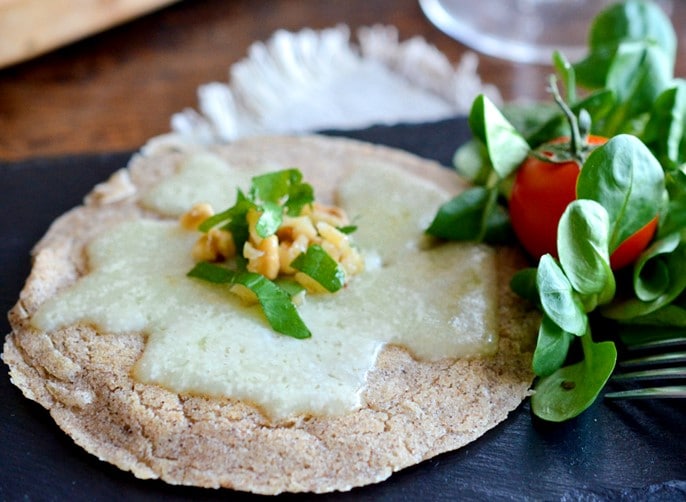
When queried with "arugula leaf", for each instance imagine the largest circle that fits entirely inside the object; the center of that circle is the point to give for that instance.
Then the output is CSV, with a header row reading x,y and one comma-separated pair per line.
x,y
319,265
290,286
276,303
212,273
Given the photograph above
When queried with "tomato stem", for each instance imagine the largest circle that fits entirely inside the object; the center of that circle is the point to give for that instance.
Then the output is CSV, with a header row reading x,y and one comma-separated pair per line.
x,y
579,127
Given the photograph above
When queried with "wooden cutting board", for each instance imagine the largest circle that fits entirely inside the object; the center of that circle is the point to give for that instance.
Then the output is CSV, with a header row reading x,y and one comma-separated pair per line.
x,y
29,28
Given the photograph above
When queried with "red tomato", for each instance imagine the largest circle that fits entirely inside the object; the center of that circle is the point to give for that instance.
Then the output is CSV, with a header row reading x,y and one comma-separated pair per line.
x,y
541,192
627,252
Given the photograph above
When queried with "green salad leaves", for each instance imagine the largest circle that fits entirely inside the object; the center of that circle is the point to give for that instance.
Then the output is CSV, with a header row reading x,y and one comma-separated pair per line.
x,y
630,96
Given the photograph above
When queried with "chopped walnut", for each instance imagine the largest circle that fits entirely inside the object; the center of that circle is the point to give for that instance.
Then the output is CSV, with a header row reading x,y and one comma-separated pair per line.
x,y
272,256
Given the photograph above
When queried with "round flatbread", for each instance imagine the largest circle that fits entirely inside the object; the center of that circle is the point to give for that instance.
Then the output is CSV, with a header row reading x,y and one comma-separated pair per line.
x,y
412,410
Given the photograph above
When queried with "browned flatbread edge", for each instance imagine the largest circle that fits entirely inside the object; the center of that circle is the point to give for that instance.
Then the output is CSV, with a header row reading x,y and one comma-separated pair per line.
x,y
414,410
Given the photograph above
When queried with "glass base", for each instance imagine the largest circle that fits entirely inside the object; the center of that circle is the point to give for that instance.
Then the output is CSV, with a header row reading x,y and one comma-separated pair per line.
x,y
526,31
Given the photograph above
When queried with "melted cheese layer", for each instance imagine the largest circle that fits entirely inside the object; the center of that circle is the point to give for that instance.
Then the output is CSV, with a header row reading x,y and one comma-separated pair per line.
x,y
438,303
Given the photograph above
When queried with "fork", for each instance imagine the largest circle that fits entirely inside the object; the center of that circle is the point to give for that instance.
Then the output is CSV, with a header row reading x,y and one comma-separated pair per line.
x,y
656,366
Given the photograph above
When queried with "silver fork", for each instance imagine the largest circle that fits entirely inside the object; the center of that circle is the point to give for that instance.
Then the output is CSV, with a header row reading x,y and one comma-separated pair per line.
x,y
658,365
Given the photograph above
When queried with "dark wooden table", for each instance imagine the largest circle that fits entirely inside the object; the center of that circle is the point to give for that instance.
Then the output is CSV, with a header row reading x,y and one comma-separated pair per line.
x,y
116,89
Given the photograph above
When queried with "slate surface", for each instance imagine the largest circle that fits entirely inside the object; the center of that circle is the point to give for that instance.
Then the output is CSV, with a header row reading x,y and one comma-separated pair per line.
x,y
614,451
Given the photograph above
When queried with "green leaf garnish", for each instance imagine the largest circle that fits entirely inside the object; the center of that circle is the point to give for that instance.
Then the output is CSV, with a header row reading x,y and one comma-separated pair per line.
x,y
348,229
284,188
271,195
270,219
275,301
319,265
233,219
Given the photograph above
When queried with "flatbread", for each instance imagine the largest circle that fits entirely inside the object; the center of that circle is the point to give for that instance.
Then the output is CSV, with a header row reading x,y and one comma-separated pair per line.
x,y
412,410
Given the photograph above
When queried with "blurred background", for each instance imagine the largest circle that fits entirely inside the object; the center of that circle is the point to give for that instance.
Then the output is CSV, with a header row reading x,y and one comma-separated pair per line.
x,y
112,90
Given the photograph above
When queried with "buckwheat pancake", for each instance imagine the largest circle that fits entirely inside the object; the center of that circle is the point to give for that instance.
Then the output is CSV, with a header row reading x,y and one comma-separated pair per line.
x,y
409,410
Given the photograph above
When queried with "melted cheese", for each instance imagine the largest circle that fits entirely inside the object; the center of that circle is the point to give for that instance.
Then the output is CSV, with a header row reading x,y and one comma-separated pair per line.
x,y
438,303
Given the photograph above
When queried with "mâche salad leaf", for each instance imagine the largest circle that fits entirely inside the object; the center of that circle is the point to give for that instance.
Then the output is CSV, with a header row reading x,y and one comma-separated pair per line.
x,y
475,214
626,178
631,181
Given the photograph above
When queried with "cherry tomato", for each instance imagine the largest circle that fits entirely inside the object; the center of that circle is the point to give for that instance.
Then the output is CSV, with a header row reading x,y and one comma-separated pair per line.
x,y
627,252
541,192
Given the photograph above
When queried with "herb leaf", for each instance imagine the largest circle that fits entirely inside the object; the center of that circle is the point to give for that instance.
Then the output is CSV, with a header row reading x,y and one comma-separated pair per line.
x,y
347,229
283,187
270,219
319,265
276,303
233,219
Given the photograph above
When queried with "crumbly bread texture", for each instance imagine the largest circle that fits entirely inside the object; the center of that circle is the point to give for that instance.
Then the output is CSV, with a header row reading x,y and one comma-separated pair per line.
x,y
413,410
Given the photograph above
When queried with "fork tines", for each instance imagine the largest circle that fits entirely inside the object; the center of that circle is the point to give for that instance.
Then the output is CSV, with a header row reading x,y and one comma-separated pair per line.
x,y
642,369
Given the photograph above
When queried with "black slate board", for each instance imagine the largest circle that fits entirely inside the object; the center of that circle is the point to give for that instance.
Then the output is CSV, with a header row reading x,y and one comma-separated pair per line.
x,y
626,450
